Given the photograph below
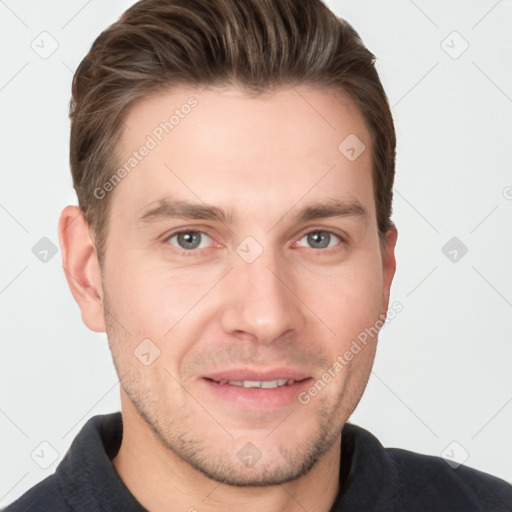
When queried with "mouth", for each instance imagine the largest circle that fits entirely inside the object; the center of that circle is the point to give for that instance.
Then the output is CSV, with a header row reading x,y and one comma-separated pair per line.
x,y
261,384
257,390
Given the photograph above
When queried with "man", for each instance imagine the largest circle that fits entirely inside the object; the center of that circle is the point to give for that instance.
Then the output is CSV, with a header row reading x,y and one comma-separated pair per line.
x,y
234,164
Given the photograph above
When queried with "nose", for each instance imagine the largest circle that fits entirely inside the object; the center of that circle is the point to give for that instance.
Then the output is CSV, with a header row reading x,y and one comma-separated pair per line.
x,y
261,303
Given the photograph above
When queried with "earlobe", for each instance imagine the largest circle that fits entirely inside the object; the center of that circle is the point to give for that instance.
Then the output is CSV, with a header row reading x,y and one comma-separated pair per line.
x,y
81,267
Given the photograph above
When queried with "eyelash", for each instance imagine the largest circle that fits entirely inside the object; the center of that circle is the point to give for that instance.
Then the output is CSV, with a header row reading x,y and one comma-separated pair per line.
x,y
199,252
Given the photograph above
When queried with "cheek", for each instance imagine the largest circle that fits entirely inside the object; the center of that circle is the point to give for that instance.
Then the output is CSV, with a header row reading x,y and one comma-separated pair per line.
x,y
347,298
150,299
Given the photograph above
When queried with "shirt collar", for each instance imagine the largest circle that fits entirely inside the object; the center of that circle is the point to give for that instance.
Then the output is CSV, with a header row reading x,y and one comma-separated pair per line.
x,y
87,477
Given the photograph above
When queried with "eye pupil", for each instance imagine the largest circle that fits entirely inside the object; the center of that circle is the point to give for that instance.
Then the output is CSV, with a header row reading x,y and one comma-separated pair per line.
x,y
319,239
189,239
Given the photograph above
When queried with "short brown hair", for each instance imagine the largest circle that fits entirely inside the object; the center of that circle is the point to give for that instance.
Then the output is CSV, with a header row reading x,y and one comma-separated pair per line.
x,y
257,45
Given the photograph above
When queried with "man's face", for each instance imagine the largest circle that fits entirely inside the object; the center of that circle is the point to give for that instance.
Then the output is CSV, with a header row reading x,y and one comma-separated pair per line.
x,y
244,245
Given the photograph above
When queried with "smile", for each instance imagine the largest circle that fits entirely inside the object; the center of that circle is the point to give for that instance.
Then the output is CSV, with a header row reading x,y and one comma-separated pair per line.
x,y
247,390
262,384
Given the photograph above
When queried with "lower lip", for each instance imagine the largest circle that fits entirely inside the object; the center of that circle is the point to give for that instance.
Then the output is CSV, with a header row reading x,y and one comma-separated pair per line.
x,y
258,398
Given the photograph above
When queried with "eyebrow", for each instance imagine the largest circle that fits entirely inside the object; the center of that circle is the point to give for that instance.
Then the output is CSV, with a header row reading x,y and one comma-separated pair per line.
x,y
174,208
166,208
333,208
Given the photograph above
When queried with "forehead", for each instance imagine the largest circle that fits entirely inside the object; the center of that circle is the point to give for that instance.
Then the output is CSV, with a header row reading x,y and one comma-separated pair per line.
x,y
255,152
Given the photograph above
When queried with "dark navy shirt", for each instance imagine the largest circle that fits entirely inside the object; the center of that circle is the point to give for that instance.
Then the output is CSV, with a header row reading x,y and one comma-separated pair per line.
x,y
372,478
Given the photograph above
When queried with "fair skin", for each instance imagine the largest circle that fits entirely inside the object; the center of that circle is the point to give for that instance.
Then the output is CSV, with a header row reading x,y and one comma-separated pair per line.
x,y
319,281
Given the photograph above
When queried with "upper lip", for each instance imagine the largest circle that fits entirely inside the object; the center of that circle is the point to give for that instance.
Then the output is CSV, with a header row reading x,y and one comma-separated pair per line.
x,y
240,374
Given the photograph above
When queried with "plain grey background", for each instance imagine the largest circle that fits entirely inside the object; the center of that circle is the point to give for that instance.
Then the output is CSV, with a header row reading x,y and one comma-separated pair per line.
x,y
441,383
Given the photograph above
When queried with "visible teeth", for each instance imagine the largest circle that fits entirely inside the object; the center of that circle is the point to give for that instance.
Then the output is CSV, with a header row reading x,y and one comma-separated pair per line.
x,y
251,384
264,384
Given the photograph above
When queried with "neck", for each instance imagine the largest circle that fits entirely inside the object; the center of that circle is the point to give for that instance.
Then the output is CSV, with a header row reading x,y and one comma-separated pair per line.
x,y
160,480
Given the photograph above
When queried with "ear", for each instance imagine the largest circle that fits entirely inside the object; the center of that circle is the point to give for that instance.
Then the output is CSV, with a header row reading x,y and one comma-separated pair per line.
x,y
388,265
81,266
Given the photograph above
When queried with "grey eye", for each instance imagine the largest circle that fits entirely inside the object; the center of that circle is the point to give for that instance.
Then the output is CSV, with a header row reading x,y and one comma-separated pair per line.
x,y
190,240
321,239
